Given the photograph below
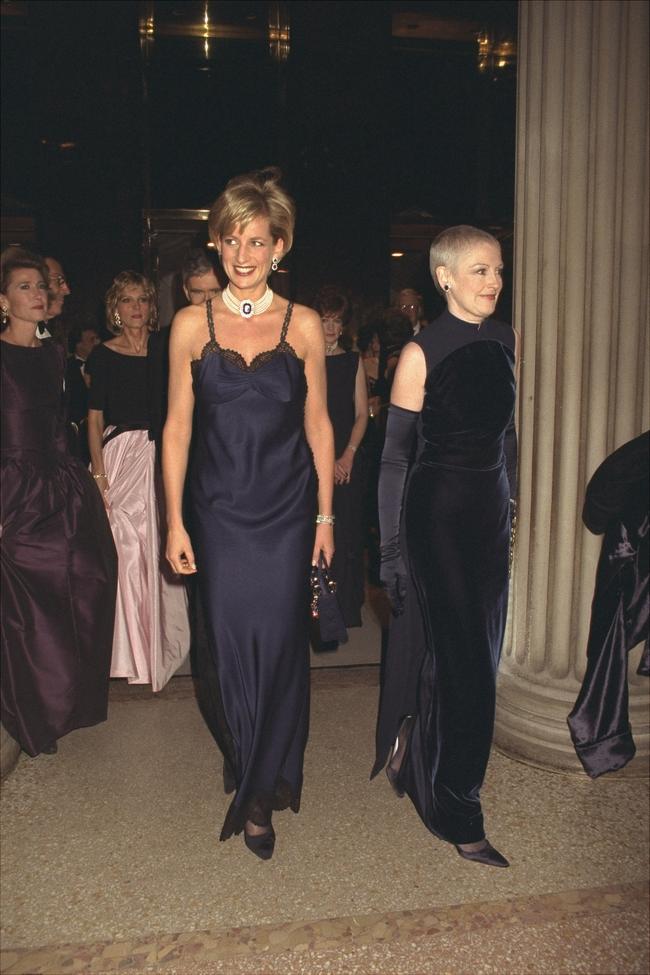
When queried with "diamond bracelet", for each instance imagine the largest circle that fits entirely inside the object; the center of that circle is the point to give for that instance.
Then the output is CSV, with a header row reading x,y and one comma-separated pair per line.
x,y
325,519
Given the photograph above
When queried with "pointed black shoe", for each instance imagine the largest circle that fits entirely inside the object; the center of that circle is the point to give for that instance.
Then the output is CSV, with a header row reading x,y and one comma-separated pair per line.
x,y
486,854
261,844
397,755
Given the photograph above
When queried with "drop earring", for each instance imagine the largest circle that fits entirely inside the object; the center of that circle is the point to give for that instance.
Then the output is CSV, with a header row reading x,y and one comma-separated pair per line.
x,y
274,264
4,315
117,321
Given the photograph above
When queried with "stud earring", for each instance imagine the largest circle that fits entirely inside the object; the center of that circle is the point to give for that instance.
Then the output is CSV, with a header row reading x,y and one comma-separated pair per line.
x,y
446,287
274,264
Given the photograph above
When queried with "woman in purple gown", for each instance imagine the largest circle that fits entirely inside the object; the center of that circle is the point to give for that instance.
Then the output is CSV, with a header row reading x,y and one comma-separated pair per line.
x,y
59,567
250,366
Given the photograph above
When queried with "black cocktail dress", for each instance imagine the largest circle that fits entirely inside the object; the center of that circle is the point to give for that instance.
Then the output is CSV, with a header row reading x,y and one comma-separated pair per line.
x,y
59,567
348,498
444,650
253,489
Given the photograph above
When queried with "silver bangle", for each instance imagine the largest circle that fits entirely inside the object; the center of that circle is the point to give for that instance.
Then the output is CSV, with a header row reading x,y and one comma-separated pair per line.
x,y
325,519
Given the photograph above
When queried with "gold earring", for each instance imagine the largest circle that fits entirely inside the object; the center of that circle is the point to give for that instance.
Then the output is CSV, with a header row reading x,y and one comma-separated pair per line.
x,y
117,321
4,315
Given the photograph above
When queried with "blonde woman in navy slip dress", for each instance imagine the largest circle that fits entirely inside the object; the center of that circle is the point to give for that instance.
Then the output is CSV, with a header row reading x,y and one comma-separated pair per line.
x,y
250,367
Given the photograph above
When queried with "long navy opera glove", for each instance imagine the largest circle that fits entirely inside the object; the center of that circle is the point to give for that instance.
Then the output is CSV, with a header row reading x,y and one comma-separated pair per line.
x,y
395,460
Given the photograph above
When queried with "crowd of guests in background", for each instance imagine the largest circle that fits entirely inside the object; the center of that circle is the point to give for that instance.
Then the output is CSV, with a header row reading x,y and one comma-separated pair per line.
x,y
112,410
400,447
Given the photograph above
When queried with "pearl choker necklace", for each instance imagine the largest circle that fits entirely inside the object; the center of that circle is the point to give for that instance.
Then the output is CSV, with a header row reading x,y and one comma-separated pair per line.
x,y
247,308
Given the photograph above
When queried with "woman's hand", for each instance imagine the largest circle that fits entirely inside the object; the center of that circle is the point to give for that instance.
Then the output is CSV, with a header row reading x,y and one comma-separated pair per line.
x,y
324,542
343,467
394,579
179,552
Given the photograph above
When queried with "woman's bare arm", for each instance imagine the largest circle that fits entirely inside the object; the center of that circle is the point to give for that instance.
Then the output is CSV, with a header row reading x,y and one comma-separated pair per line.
x,y
95,436
318,428
408,385
344,463
177,434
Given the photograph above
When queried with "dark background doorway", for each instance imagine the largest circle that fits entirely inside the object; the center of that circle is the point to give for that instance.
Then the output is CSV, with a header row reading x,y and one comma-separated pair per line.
x,y
389,121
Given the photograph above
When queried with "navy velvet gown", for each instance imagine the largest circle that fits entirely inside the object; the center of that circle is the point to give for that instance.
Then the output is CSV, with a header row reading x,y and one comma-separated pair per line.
x,y
444,651
253,489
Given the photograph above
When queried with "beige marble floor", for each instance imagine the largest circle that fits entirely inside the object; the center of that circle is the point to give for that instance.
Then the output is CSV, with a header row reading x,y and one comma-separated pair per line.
x,y
112,844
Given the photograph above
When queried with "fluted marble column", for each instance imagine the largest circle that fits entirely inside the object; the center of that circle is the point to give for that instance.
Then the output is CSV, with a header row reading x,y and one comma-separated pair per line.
x,y
581,303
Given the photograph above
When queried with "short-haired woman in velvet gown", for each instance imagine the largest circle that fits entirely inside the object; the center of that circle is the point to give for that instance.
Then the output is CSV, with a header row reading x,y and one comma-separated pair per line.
x,y
59,564
250,367
447,479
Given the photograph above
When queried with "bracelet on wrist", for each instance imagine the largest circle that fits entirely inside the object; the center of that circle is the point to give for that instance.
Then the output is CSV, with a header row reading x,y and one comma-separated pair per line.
x,y
325,519
352,447
97,477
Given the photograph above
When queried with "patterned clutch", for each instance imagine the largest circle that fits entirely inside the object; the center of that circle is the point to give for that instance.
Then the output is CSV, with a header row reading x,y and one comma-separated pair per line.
x,y
324,604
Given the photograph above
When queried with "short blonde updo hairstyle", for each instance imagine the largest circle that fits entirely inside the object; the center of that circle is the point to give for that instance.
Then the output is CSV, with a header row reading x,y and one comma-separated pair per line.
x,y
449,245
124,280
252,195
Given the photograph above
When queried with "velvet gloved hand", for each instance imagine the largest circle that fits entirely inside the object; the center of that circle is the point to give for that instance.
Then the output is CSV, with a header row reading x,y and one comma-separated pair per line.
x,y
395,461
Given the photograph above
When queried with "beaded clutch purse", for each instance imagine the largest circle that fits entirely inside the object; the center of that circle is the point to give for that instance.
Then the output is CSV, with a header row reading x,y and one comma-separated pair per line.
x,y
324,604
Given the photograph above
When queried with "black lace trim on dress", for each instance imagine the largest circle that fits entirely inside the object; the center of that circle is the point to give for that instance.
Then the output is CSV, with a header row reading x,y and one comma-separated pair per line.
x,y
260,808
237,359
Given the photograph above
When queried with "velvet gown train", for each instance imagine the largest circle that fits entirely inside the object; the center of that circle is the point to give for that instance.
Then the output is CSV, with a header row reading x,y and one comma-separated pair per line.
x,y
59,565
253,489
443,653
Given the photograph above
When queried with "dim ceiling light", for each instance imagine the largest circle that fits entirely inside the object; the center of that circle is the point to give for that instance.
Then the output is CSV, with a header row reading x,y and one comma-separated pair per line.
x,y
397,254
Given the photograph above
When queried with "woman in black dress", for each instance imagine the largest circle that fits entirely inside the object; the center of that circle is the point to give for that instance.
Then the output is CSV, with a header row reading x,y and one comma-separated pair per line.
x,y
347,405
445,532
58,558
250,367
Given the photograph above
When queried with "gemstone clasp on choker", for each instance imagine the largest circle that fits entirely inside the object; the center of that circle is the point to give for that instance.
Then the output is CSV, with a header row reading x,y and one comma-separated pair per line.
x,y
247,308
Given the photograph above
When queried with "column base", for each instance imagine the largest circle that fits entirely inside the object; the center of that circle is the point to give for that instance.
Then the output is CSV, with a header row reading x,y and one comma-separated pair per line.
x,y
531,727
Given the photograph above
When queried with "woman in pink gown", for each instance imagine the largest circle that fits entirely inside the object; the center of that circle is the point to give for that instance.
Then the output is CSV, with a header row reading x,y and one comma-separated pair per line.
x,y
152,633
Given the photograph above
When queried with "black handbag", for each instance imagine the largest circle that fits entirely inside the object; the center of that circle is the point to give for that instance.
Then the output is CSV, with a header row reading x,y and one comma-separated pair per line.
x,y
324,604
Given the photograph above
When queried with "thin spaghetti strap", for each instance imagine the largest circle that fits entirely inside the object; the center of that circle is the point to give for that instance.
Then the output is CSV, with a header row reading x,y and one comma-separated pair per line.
x,y
208,306
285,323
